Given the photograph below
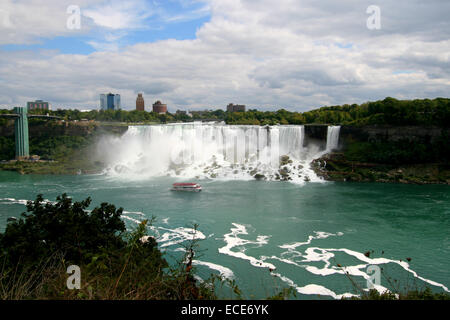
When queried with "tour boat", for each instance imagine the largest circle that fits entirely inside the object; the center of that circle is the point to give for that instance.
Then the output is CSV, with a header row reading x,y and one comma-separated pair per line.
x,y
190,187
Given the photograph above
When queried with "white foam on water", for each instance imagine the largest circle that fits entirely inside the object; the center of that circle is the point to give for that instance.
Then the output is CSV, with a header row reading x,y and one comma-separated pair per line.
x,y
134,212
131,219
165,220
22,202
171,236
15,201
379,261
318,235
232,240
223,271
310,254
178,235
315,254
313,289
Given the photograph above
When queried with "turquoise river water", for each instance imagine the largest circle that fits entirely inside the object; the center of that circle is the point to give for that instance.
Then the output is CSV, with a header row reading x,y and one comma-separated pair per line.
x,y
271,235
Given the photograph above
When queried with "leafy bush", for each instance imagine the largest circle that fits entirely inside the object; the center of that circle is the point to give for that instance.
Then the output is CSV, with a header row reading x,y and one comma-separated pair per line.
x,y
63,227
36,250
7,148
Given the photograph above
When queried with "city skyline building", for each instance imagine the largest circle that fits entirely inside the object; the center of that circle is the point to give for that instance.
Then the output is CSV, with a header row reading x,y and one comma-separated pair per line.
x,y
110,101
235,108
140,103
103,102
38,105
159,107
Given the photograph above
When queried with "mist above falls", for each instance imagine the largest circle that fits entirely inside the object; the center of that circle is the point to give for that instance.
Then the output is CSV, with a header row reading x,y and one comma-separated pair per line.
x,y
214,151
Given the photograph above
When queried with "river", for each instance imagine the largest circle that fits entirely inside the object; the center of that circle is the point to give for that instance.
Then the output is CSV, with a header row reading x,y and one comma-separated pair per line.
x,y
268,235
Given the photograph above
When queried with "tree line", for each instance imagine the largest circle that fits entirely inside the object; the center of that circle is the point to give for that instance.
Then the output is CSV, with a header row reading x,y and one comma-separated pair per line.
x,y
390,111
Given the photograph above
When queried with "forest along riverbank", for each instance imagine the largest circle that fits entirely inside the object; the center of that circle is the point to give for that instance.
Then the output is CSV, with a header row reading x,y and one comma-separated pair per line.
x,y
399,154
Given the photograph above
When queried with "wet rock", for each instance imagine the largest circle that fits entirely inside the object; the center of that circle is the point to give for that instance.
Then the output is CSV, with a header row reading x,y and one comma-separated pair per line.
x,y
284,173
284,160
259,176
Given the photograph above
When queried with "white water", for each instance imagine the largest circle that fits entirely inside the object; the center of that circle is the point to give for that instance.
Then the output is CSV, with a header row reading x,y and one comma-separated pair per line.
x,y
306,253
333,138
214,151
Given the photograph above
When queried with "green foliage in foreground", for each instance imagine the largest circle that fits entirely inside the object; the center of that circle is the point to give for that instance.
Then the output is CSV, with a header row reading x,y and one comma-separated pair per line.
x,y
115,264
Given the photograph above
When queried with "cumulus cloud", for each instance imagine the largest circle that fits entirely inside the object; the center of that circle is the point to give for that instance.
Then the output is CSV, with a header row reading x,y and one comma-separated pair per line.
x,y
268,53
29,21
118,14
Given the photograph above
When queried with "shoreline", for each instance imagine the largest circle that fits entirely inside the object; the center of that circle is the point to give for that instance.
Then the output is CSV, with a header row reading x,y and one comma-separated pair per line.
x,y
330,167
335,167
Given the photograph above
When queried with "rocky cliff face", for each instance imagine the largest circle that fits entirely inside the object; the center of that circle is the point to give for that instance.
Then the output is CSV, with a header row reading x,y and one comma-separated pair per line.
x,y
391,134
316,134
410,154
349,134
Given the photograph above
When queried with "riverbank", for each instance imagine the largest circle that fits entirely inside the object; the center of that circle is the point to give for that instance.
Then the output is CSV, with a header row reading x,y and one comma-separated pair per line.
x,y
62,147
53,167
337,167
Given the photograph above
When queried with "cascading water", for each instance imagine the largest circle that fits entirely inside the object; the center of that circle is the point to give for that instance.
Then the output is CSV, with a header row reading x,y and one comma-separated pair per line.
x,y
214,151
333,138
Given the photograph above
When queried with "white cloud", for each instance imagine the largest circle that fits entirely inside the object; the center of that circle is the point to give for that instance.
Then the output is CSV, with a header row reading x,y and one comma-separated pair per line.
x,y
117,14
28,21
261,53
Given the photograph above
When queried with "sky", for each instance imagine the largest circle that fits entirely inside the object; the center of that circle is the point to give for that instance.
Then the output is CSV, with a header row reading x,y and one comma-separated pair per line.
x,y
203,54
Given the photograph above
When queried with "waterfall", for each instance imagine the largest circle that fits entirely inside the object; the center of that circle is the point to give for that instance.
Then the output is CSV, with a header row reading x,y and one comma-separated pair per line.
x,y
333,138
213,151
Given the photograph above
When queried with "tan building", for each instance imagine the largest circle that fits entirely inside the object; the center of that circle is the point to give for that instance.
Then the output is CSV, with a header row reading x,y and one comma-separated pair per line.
x,y
140,104
160,108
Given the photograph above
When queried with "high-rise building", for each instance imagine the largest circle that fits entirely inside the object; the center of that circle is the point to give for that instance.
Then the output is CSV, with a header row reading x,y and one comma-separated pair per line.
x,y
39,105
103,102
235,108
160,108
117,103
110,101
140,104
